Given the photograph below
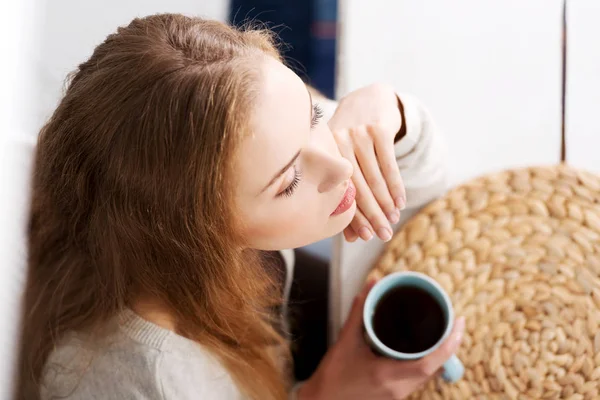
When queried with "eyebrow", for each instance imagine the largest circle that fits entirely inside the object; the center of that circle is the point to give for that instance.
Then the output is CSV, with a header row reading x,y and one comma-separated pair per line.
x,y
295,157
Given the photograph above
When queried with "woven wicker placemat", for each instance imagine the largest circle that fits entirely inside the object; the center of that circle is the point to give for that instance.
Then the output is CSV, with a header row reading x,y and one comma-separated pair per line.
x,y
519,254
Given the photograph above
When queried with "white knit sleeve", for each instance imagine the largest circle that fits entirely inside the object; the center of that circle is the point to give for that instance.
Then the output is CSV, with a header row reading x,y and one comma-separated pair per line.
x,y
421,155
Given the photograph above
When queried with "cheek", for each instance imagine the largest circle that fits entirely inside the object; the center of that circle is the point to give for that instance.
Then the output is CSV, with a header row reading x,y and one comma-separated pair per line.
x,y
275,225
288,223
286,229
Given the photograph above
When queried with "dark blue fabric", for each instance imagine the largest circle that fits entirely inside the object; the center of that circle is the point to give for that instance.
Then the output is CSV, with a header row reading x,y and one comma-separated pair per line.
x,y
322,71
307,27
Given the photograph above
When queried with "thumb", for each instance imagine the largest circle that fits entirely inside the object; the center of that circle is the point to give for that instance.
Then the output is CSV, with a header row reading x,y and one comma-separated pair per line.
x,y
430,364
436,359
353,327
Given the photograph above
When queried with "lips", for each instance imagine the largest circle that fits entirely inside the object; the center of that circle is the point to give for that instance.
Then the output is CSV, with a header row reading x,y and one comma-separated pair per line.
x,y
347,200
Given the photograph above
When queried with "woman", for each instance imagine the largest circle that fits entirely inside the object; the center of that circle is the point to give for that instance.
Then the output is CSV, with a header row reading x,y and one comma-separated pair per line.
x,y
181,149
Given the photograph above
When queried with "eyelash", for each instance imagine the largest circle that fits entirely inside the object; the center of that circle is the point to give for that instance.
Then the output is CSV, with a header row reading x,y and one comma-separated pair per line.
x,y
317,115
288,191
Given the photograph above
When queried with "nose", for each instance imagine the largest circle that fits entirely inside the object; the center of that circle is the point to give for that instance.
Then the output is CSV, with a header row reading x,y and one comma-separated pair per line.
x,y
331,169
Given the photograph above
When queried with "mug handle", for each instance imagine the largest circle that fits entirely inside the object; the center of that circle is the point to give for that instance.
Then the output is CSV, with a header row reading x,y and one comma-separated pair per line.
x,y
453,370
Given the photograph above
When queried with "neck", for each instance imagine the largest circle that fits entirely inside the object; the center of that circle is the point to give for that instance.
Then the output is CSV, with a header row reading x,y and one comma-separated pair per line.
x,y
153,311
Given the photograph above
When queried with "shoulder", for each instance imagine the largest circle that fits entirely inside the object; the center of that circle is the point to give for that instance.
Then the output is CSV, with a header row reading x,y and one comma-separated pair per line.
x,y
123,366
80,369
185,370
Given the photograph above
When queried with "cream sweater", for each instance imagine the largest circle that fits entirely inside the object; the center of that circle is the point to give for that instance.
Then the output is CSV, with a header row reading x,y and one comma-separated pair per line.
x,y
140,360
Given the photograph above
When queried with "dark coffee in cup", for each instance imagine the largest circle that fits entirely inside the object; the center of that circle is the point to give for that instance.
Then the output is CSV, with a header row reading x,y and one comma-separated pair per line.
x,y
408,319
407,316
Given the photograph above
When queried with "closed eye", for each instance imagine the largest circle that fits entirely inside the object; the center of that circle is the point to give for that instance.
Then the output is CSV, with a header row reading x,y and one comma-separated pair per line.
x,y
316,115
288,191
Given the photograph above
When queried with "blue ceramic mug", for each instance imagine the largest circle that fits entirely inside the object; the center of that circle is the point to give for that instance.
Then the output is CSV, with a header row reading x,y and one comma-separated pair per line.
x,y
453,368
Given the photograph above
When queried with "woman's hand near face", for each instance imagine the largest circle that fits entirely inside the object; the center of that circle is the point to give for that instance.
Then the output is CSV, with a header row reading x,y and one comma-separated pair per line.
x,y
364,126
350,370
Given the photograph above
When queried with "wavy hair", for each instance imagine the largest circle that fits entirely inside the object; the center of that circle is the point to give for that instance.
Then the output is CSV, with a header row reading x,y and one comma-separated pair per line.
x,y
132,195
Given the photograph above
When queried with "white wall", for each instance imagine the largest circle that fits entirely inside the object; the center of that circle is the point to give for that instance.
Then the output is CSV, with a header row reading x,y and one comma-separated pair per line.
x,y
583,84
17,48
489,71
72,28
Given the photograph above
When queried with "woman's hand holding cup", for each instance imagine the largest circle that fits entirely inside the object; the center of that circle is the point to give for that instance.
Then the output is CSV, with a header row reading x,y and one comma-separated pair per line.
x,y
351,370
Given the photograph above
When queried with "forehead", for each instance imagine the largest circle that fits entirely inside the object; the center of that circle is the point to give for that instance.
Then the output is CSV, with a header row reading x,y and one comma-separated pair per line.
x,y
279,125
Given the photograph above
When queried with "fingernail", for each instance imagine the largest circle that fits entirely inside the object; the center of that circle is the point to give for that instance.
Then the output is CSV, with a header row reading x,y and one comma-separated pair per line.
x,y
365,234
394,216
400,202
384,234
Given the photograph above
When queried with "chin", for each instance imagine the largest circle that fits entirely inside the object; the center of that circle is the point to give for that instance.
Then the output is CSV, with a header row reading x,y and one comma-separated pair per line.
x,y
341,221
293,236
333,226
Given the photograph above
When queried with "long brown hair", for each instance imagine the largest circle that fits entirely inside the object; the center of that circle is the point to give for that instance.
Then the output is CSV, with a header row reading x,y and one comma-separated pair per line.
x,y
132,195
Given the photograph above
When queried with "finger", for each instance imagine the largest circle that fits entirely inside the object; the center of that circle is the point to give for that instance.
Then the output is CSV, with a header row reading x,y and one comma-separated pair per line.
x,y
350,234
434,361
430,364
389,168
369,165
360,224
352,331
370,208
364,197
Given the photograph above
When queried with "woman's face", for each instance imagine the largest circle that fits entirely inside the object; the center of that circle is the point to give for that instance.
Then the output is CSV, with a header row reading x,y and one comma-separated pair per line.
x,y
293,186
